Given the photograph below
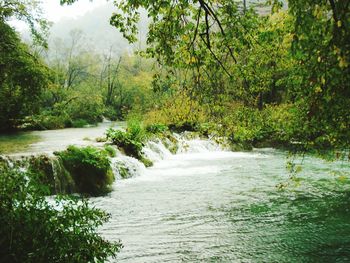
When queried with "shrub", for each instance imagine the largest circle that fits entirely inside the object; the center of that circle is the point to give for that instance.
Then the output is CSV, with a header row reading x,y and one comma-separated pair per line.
x,y
131,140
110,151
86,107
36,230
90,169
135,130
80,123
126,141
156,128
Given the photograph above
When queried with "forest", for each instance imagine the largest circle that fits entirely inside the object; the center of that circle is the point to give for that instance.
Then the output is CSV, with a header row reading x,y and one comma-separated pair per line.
x,y
256,74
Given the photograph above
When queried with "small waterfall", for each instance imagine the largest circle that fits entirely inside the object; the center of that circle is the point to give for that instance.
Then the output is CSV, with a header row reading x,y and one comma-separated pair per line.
x,y
6,161
188,143
63,182
155,150
126,167
52,172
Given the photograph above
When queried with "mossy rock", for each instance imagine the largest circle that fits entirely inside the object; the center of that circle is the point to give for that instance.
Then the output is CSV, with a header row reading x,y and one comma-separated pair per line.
x,y
51,173
90,169
147,162
170,142
123,171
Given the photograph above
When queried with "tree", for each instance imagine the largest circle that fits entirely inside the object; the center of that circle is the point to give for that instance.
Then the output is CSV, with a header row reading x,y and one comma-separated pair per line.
x,y
22,79
36,230
28,11
109,75
208,48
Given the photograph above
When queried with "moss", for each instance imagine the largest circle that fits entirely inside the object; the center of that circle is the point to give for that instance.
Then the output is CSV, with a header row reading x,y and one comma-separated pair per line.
x,y
42,167
110,150
101,139
170,142
51,173
90,169
147,162
123,171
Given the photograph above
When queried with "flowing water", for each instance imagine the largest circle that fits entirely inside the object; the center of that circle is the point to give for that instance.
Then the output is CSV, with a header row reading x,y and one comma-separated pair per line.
x,y
39,142
209,205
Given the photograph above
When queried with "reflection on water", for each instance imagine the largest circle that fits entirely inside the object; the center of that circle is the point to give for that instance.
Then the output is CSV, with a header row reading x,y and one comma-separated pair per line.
x,y
18,142
225,207
35,142
215,206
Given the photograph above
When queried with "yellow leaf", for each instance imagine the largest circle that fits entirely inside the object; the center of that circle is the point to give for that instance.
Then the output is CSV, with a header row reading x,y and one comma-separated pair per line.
x,y
342,178
318,89
342,62
339,23
298,169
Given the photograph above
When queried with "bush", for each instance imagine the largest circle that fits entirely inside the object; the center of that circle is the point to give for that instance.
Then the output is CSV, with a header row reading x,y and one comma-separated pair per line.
x,y
47,120
156,128
110,151
131,140
80,123
135,130
89,108
126,141
35,230
90,169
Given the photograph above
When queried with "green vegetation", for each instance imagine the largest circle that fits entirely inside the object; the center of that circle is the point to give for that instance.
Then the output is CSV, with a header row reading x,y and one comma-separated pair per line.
x,y
90,169
272,76
23,77
51,173
282,77
111,151
36,230
11,143
72,85
156,128
131,140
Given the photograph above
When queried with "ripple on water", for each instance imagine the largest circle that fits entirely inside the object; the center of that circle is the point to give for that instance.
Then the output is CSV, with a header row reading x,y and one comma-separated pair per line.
x,y
225,207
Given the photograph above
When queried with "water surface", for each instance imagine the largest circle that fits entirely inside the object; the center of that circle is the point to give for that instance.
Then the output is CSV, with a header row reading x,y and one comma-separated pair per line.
x,y
225,207
39,142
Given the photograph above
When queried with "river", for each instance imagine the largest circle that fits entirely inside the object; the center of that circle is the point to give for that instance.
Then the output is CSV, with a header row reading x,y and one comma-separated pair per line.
x,y
217,206
209,205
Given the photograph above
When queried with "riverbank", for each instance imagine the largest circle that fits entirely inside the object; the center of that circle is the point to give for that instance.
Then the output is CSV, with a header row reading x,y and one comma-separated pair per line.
x,y
63,170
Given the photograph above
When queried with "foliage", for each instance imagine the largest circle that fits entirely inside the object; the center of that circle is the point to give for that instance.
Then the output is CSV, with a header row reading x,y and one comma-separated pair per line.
x,y
156,128
90,169
34,229
110,150
79,123
51,173
22,78
321,47
131,140
178,112
124,139
28,12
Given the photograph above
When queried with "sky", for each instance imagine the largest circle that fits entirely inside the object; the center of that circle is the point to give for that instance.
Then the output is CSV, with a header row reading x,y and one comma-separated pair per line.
x,y
54,11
